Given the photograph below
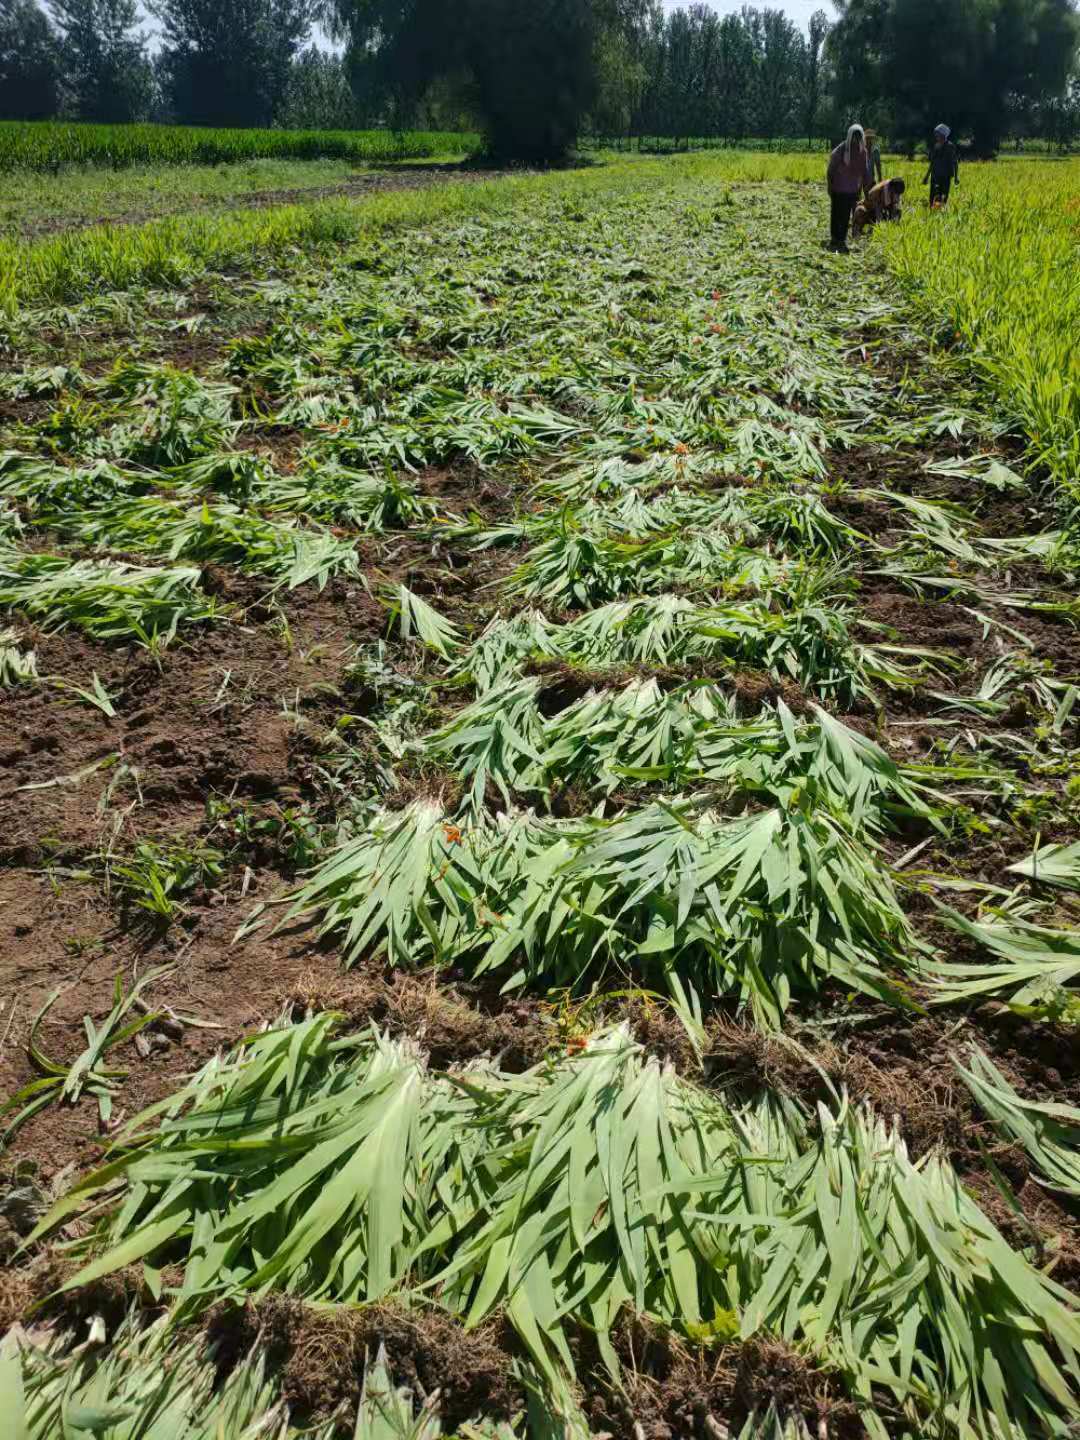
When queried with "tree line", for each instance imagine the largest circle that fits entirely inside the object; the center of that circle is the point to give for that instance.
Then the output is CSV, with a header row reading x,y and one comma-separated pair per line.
x,y
991,69
216,62
704,74
534,74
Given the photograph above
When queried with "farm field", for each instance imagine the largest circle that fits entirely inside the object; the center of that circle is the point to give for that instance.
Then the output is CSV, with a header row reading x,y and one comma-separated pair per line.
x,y
540,732
37,205
53,145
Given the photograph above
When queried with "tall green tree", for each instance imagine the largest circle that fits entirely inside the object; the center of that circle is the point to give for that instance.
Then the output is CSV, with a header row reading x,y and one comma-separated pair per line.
x,y
531,71
535,73
106,71
918,62
733,76
817,30
29,62
779,68
318,95
1059,118
228,62
624,59
691,68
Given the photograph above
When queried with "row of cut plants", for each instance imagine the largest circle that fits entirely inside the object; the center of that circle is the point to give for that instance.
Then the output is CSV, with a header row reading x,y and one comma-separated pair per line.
x,y
717,623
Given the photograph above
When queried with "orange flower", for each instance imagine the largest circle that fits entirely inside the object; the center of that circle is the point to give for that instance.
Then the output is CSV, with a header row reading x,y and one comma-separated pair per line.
x,y
681,449
716,295
453,834
576,1042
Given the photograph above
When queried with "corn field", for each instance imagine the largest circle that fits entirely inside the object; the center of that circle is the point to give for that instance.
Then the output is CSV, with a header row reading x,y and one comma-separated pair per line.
x,y
540,861
49,145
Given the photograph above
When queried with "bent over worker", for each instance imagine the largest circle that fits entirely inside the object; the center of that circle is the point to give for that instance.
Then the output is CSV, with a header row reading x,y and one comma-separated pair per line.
x,y
845,179
944,166
880,203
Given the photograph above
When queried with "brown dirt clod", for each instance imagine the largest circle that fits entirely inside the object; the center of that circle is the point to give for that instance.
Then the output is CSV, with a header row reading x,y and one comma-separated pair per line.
x,y
321,1354
673,1390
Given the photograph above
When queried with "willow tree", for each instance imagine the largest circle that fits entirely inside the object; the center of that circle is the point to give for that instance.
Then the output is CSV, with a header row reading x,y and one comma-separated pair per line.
x,y
530,72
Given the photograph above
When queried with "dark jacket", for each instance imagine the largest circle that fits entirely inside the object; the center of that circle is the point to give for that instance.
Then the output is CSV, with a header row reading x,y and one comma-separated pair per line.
x,y
944,161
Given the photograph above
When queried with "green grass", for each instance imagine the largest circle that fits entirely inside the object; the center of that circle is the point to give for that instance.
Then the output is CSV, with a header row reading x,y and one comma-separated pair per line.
x,y
777,904
109,600
50,145
88,1074
177,251
36,203
147,1383
993,276
180,250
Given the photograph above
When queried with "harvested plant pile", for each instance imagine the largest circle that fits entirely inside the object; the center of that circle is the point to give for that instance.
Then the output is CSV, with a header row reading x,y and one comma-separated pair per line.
x,y
581,706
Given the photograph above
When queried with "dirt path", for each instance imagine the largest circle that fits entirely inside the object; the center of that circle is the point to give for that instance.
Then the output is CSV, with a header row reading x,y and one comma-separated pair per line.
x,y
364,185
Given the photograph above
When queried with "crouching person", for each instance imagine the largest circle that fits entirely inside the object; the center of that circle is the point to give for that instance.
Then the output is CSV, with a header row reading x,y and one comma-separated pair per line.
x,y
880,203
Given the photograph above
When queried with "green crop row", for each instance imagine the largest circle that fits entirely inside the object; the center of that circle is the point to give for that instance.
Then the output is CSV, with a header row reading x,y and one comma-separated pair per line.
x,y
995,275
633,728
49,145
66,268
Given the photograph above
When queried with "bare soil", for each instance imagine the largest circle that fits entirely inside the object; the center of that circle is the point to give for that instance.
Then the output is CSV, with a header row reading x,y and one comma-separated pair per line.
x,y
237,711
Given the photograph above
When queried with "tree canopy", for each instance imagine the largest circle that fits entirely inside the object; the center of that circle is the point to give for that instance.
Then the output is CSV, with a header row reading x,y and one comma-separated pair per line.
x,y
751,73
29,62
911,63
531,72
228,62
535,76
104,58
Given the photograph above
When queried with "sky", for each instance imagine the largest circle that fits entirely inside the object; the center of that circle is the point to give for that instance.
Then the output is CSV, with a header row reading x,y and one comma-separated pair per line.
x,y
150,30
798,10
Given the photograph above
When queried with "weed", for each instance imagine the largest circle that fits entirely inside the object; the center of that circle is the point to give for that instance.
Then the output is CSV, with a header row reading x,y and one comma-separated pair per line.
x,y
87,1073
156,877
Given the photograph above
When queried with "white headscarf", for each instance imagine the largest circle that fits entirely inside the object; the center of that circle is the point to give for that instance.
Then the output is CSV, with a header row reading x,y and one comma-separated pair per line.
x,y
855,132
943,131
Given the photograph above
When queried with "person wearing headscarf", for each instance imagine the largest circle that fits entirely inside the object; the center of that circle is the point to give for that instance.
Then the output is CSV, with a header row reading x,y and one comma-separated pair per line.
x,y
845,179
944,166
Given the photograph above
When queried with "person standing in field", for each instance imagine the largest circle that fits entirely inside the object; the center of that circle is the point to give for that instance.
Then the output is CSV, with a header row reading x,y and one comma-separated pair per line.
x,y
846,180
873,161
944,166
